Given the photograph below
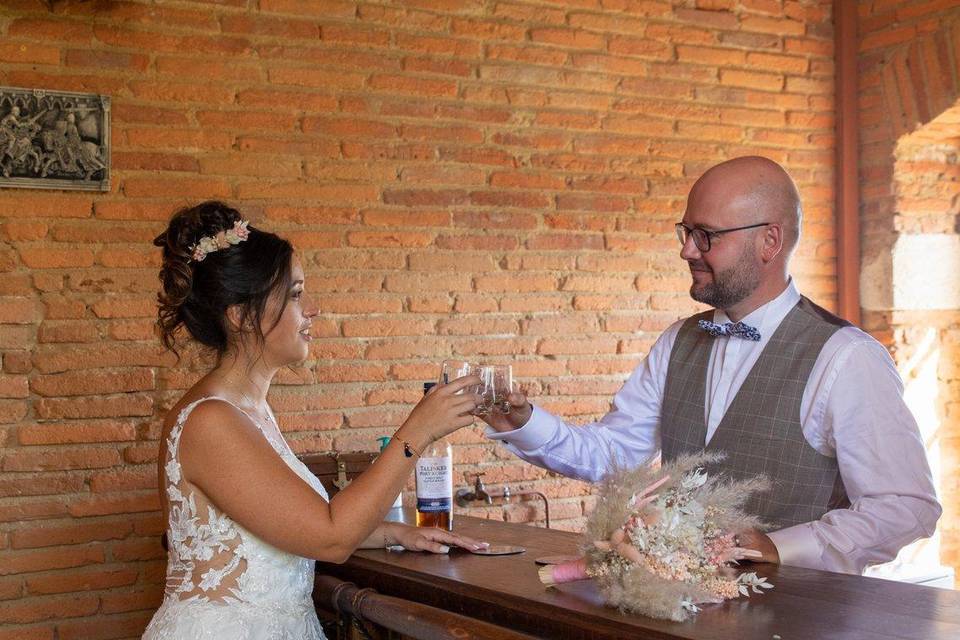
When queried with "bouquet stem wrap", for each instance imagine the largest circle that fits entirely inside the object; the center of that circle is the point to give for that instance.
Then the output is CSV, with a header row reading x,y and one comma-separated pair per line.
x,y
564,572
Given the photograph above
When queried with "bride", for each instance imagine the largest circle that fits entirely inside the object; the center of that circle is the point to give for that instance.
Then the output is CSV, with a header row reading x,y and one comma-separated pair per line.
x,y
246,519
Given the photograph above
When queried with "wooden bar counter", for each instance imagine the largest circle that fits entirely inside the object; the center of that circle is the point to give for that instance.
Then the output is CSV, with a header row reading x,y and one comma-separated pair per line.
x,y
505,590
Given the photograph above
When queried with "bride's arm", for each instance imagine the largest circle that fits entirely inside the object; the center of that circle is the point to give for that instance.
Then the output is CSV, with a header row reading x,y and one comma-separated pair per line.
x,y
224,454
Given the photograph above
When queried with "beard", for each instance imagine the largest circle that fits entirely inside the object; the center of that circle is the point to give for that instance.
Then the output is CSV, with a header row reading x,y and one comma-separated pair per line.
x,y
730,286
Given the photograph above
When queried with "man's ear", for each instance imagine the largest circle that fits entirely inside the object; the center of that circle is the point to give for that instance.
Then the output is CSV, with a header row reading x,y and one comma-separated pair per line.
x,y
772,237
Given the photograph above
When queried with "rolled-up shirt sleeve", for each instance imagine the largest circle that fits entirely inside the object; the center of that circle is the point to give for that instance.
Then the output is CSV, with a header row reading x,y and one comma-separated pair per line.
x,y
627,436
883,464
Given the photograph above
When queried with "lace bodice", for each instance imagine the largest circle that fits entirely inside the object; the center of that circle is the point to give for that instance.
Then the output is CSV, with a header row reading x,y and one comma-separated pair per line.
x,y
219,571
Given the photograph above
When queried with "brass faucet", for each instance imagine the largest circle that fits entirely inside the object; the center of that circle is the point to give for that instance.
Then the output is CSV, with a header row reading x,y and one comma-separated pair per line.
x,y
479,493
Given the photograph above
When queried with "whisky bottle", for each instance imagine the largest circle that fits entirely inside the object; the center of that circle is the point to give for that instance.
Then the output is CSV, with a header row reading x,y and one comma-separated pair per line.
x,y
434,476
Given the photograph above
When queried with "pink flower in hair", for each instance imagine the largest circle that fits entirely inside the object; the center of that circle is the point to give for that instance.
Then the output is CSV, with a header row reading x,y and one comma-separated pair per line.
x,y
220,240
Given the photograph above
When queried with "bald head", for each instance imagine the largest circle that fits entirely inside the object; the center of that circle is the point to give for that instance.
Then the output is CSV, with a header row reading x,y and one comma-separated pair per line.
x,y
755,189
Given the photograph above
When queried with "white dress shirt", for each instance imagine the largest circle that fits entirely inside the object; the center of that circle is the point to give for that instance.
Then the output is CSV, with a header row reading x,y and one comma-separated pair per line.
x,y
852,410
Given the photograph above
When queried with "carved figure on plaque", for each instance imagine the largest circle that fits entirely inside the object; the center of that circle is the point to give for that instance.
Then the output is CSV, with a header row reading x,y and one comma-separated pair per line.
x,y
54,140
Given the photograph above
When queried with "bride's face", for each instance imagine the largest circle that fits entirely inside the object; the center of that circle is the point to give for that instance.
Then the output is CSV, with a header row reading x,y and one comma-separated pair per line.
x,y
288,341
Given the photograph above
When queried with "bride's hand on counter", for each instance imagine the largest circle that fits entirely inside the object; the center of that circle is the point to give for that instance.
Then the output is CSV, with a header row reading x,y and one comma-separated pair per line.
x,y
430,539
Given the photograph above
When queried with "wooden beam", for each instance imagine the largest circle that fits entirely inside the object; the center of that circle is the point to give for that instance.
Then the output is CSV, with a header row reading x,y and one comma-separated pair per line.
x,y
847,161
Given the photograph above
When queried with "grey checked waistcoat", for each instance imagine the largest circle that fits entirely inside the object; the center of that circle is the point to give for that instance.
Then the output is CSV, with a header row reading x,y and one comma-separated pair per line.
x,y
760,432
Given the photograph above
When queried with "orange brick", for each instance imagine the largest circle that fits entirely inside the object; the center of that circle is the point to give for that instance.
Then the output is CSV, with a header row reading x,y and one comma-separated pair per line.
x,y
358,303
432,303
153,161
887,38
496,346
199,188
389,239
105,627
528,54
516,283
52,258
420,282
326,8
316,148
176,139
776,62
32,610
711,56
475,303
413,86
246,120
387,326
260,25
350,373
217,70
80,581
17,362
50,30
30,53
641,47
304,100
124,308
353,34
50,536
25,230
778,26
18,310
317,78
47,559
107,60
751,80
181,92
134,503
478,326
71,433
240,164
460,133
521,199
439,45
93,407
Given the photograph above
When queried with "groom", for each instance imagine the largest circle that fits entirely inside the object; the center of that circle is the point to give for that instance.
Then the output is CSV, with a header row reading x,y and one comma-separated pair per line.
x,y
776,383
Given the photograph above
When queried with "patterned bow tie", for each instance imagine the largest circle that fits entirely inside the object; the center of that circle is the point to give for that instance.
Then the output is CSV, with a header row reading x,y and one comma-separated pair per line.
x,y
735,329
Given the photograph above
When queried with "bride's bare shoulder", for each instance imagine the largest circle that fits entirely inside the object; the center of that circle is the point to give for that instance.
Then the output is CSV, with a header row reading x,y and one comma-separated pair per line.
x,y
195,393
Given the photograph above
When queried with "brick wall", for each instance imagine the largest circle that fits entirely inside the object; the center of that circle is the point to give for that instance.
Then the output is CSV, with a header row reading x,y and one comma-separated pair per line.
x,y
910,179
495,180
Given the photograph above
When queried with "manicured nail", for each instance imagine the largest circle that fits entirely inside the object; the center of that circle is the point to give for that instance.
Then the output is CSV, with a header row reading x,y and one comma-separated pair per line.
x,y
444,549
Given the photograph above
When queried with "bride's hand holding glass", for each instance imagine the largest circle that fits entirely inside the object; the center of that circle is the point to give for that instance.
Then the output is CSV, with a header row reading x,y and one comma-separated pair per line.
x,y
442,410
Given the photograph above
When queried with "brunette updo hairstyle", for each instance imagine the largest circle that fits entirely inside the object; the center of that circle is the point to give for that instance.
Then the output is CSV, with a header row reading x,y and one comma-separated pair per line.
x,y
195,295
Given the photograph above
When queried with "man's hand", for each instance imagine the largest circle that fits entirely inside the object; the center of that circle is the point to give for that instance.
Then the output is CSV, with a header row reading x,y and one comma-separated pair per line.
x,y
757,541
520,412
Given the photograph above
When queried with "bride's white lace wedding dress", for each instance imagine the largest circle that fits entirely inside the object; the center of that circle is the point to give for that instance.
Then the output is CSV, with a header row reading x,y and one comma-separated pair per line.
x,y
222,581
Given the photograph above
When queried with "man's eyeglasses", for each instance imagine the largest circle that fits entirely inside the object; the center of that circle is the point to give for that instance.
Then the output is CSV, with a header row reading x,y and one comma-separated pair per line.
x,y
702,237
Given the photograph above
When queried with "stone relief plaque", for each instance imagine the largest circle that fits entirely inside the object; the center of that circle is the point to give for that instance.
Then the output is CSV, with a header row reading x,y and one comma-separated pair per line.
x,y
54,139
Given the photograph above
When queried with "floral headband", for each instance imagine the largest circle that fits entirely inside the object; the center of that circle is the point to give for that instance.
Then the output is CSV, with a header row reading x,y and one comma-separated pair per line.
x,y
222,240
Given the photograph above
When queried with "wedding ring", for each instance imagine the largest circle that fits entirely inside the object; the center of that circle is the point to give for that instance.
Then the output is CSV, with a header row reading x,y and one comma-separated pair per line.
x,y
736,541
